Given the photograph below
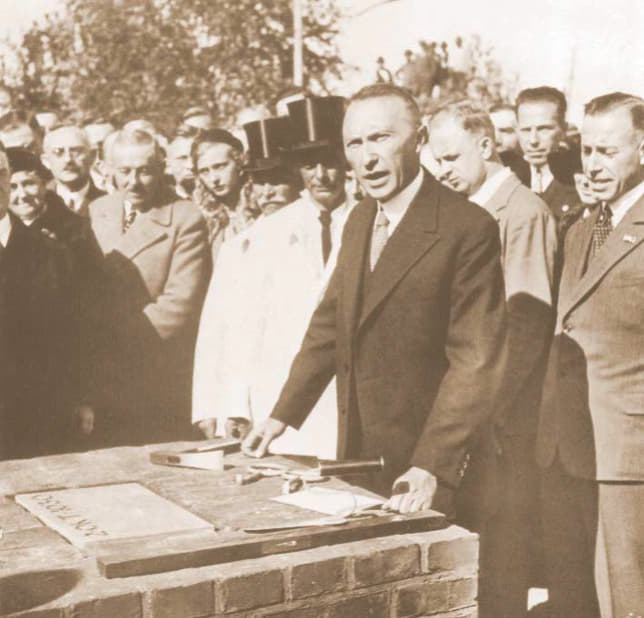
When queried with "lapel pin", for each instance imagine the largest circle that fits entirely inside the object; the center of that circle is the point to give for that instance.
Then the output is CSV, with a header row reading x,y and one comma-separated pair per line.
x,y
630,239
565,208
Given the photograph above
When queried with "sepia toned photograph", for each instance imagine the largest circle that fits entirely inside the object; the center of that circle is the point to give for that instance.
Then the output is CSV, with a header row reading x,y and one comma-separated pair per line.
x,y
321,309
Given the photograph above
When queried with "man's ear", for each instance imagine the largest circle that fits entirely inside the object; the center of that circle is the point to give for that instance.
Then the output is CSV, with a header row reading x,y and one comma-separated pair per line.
x,y
486,147
640,150
422,137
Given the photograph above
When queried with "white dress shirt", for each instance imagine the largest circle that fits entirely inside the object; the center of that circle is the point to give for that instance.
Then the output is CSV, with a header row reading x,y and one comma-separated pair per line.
x,y
490,186
396,207
624,203
5,229
546,178
73,199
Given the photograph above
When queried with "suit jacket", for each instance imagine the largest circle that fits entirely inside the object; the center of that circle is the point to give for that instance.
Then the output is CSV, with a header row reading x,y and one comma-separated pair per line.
x,y
416,352
156,275
592,413
34,328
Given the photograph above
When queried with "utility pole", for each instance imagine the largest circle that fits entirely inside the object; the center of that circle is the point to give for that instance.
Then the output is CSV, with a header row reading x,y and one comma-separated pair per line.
x,y
298,43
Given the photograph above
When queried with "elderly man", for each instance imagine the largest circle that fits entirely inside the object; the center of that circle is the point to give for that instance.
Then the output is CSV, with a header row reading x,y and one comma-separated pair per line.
x,y
500,489
291,252
217,162
158,264
591,431
68,156
35,283
412,320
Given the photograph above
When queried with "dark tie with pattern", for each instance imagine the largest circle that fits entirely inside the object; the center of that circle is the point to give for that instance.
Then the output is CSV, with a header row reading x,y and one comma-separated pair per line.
x,y
129,220
602,228
325,222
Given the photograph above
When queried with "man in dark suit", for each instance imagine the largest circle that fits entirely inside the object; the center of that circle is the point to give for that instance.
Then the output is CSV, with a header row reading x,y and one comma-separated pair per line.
x,y
412,322
68,156
590,442
499,494
35,286
541,117
157,264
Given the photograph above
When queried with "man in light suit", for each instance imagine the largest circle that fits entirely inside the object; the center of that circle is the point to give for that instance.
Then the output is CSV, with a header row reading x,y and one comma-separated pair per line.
x,y
158,263
591,430
412,322
499,494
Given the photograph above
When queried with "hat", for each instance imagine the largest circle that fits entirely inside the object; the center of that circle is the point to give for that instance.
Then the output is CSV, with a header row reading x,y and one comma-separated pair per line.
x,y
23,160
316,122
269,140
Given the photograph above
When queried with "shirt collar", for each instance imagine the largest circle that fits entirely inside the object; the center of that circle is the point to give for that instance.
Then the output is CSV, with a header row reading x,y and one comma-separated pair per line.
x,y
76,198
624,203
335,213
5,229
546,177
396,207
490,186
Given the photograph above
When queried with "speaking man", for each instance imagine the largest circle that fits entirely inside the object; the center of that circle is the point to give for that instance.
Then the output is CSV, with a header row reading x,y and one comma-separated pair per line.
x,y
158,263
412,321
591,431
500,489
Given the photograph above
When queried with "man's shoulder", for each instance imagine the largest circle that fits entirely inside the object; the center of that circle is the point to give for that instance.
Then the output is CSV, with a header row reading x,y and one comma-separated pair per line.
x,y
523,204
108,200
457,213
185,211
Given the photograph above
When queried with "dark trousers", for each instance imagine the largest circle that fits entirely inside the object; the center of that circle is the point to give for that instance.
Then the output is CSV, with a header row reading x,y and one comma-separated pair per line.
x,y
594,542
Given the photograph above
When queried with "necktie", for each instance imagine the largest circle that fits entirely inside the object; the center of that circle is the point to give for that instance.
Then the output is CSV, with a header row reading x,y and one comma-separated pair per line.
x,y
602,228
129,220
538,181
325,222
379,237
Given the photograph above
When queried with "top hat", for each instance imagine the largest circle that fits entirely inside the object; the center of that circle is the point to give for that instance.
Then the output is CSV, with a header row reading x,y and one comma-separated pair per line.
x,y
316,122
269,140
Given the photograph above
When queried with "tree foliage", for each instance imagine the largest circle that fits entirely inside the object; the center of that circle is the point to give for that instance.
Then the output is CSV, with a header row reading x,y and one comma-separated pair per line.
x,y
129,58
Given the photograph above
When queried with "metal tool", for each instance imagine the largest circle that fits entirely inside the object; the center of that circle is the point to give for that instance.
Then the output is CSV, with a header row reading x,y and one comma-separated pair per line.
x,y
255,472
330,467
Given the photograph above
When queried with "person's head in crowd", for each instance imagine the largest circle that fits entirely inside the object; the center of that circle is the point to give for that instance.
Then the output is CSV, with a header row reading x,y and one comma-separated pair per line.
x,y
294,93
217,162
316,151
504,119
383,137
612,139
27,185
142,124
275,183
197,117
380,62
136,161
409,56
6,100
18,129
461,138
179,162
46,120
68,156
541,118
97,130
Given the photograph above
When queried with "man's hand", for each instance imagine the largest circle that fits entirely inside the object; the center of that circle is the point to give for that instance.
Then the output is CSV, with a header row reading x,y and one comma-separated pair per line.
x,y
85,418
421,487
208,427
259,439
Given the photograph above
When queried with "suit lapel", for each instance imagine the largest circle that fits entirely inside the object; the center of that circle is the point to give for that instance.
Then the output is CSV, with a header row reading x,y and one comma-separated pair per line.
x,y
622,240
414,236
148,228
499,200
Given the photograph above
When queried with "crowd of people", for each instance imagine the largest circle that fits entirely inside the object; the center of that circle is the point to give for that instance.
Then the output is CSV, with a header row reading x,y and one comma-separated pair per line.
x,y
459,294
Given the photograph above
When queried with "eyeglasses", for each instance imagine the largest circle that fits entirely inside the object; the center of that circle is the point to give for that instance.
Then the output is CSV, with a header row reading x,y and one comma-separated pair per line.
x,y
75,152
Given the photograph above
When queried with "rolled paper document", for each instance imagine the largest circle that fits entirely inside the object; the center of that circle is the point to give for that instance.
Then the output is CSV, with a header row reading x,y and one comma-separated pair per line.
x,y
349,466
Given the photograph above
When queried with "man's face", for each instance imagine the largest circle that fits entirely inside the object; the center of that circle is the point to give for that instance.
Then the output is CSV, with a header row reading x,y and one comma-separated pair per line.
x,y
27,198
179,163
382,144
539,131
323,173
505,130
68,156
219,170
22,136
137,172
460,155
612,154
273,189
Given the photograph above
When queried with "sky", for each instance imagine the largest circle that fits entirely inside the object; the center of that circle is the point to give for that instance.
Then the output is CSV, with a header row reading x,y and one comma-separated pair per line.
x,y
599,43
